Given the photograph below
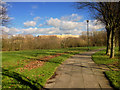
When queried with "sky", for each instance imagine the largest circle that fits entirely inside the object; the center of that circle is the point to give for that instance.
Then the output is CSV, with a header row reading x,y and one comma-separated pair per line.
x,y
48,18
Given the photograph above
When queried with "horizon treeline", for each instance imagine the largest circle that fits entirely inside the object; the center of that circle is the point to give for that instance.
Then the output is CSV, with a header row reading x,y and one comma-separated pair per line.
x,y
30,42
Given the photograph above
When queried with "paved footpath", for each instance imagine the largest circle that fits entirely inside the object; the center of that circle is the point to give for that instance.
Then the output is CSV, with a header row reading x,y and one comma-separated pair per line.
x,y
79,71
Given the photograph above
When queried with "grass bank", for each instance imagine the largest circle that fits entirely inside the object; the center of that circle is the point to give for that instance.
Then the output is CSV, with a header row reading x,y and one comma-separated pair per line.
x,y
31,68
113,64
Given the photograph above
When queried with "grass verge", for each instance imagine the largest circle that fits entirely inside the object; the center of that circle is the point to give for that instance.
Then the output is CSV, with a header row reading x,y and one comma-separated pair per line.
x,y
113,64
35,78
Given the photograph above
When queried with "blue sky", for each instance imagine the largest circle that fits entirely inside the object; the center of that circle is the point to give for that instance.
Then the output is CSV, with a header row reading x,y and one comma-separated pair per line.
x,y
47,18
24,11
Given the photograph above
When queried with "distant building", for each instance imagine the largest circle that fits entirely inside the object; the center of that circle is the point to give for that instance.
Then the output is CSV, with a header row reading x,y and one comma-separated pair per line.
x,y
60,36
67,35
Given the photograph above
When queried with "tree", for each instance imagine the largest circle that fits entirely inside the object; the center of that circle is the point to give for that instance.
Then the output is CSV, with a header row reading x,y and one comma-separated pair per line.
x,y
119,28
119,38
3,14
108,13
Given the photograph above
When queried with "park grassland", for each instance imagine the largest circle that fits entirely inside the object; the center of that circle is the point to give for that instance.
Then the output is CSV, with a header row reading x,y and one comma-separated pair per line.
x,y
35,78
113,64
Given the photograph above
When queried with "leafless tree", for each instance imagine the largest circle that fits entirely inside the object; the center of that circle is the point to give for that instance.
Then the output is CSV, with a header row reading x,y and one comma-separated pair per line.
x,y
108,13
3,13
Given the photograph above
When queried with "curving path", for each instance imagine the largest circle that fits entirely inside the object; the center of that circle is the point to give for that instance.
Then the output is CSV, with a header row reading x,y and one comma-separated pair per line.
x,y
79,71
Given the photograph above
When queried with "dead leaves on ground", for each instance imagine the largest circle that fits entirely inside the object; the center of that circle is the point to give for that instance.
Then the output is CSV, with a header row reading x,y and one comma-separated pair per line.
x,y
39,62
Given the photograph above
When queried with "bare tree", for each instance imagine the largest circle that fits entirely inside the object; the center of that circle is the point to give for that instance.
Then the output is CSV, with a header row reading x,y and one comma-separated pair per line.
x,y
119,39
108,13
3,13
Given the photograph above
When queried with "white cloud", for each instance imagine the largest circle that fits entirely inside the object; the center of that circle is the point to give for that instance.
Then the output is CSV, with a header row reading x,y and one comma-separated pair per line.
x,y
73,27
4,29
30,23
63,25
37,18
59,26
67,25
54,22
95,25
29,30
11,31
51,30
40,25
73,17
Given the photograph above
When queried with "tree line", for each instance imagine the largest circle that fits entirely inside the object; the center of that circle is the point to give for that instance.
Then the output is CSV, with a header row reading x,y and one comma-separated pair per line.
x,y
28,42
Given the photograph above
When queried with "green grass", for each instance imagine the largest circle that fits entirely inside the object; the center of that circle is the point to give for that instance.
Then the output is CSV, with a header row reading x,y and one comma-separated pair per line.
x,y
12,61
113,64
114,77
34,78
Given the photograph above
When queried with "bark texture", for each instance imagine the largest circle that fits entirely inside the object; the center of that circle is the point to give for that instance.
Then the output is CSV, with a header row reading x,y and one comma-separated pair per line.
x,y
109,34
112,44
119,39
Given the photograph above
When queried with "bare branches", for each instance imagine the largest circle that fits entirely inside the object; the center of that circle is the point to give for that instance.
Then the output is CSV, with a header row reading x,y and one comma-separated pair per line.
x,y
3,13
109,14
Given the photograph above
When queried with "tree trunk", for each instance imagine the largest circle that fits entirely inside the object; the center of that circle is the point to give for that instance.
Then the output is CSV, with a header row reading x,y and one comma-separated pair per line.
x,y
108,42
112,44
119,59
119,39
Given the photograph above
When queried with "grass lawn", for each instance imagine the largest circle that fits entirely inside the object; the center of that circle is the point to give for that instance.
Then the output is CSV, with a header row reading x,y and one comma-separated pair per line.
x,y
32,68
113,64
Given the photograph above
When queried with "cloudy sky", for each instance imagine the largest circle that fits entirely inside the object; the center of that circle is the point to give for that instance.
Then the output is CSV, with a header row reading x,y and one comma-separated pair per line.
x,y
48,18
